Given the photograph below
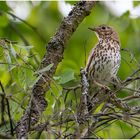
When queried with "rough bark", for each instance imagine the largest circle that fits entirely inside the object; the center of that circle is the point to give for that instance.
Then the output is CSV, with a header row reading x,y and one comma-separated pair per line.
x,y
53,55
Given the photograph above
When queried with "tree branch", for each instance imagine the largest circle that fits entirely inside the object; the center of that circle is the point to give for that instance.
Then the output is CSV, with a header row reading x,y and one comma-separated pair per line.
x,y
53,55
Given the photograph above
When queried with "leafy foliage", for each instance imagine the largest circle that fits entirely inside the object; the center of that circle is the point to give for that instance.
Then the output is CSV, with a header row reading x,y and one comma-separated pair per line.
x,y
20,60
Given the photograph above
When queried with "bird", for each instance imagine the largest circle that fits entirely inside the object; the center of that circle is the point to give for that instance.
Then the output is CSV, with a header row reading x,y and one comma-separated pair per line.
x,y
104,59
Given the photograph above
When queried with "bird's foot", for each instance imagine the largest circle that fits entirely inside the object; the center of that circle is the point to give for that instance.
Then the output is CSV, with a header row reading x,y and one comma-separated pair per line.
x,y
104,87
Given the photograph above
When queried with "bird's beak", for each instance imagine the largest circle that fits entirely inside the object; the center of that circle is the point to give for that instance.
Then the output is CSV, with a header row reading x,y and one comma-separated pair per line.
x,y
92,29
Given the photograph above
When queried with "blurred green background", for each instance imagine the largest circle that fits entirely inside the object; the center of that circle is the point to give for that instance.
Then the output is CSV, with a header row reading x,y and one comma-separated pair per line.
x,y
33,27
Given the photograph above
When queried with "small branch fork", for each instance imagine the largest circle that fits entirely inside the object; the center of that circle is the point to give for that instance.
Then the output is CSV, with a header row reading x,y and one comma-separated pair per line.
x,y
111,102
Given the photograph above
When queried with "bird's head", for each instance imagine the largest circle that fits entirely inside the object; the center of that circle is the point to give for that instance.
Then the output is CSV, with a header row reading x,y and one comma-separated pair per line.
x,y
105,32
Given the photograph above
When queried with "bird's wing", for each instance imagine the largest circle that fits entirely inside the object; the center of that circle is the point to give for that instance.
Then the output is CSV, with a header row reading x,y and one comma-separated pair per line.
x,y
90,59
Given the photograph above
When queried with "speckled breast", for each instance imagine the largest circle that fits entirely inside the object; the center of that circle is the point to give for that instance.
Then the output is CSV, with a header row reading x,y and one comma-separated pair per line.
x,y
104,62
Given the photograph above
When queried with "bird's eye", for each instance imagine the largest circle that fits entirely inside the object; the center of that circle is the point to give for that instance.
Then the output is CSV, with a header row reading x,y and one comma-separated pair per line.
x,y
103,28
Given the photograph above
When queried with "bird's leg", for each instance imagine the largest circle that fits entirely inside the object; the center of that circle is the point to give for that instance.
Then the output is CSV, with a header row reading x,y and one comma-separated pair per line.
x,y
101,85
116,82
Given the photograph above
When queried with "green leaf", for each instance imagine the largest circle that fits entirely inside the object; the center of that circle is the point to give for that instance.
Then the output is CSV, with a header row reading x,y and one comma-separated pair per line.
x,y
45,69
66,77
25,78
7,56
126,14
136,3
3,21
24,47
12,50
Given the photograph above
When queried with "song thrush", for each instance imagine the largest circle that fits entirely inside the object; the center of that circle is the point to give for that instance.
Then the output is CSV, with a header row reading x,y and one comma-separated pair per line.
x,y
104,60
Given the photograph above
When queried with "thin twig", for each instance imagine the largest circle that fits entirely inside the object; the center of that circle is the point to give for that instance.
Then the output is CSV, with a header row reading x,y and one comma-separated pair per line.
x,y
8,109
